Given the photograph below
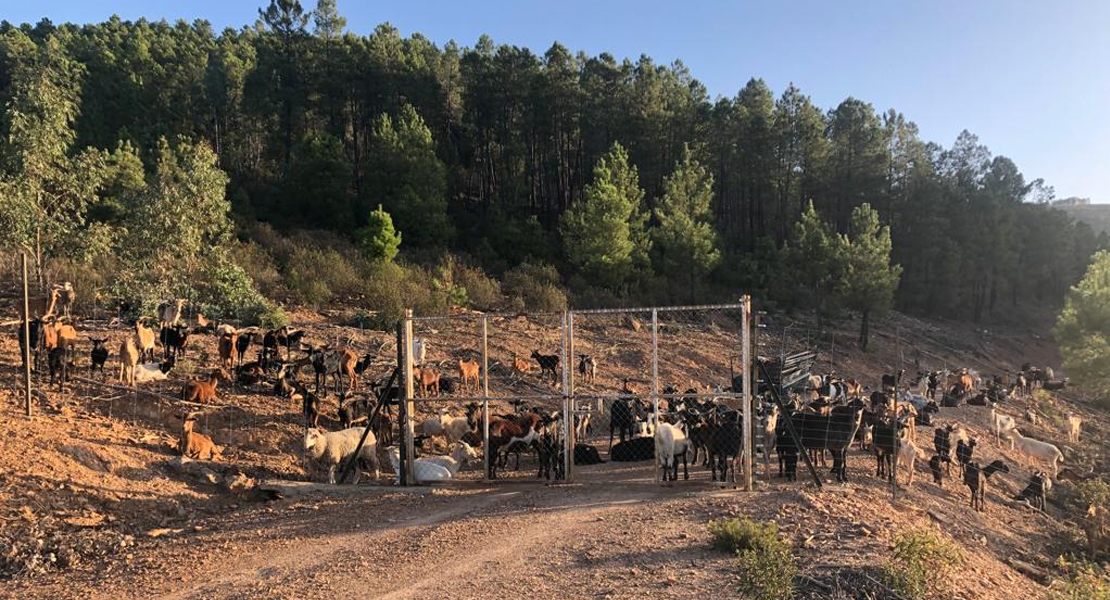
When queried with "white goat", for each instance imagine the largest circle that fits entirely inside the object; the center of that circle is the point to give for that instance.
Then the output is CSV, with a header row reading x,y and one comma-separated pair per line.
x,y
452,428
332,448
1034,450
908,452
434,468
419,351
151,371
670,442
1001,425
170,312
1074,425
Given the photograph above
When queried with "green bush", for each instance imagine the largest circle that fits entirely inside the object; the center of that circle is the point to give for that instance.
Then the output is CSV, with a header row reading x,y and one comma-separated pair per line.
x,y
482,291
534,287
1081,581
316,275
1094,492
766,565
920,564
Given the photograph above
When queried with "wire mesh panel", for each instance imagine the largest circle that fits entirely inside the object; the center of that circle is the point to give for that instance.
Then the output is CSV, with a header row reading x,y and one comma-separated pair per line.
x,y
656,393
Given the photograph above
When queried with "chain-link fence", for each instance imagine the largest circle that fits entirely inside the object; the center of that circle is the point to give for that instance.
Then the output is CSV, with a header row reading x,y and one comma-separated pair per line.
x,y
590,394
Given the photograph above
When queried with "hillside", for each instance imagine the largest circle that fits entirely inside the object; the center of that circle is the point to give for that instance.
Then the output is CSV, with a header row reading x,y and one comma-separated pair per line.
x,y
92,496
1095,215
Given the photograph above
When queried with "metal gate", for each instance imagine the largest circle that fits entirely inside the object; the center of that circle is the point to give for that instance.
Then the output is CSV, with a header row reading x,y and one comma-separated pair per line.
x,y
586,376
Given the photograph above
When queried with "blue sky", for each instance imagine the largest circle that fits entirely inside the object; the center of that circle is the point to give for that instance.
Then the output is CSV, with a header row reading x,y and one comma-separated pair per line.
x,y
1031,79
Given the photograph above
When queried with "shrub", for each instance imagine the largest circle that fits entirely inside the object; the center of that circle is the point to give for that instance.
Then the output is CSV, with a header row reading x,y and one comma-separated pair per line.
x,y
315,275
534,287
482,291
1094,492
921,563
765,563
1082,581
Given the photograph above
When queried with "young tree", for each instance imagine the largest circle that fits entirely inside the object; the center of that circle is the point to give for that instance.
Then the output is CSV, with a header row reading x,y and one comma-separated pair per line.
x,y
684,239
869,280
814,257
1083,327
409,180
379,241
603,234
44,188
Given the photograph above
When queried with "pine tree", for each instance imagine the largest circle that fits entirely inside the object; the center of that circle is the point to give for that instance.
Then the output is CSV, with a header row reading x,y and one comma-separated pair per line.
x,y
869,280
684,239
814,257
1083,328
379,241
604,234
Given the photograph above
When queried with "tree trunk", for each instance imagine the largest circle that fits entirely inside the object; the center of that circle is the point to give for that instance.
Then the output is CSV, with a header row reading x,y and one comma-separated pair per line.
x,y
864,329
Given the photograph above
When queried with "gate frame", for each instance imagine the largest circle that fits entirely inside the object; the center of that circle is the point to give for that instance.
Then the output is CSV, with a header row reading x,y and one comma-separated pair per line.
x,y
567,393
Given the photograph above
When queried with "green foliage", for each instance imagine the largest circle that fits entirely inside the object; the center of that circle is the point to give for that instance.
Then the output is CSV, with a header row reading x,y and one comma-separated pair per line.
x,y
379,240
604,233
684,239
921,564
319,172
1095,492
815,259
869,280
1081,581
1083,328
315,276
764,561
534,287
408,179
482,291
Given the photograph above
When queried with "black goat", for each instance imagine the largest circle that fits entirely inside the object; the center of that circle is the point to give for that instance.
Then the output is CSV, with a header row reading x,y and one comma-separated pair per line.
x,y
965,452
621,419
887,439
242,343
833,433
934,467
98,355
549,363
1036,491
58,361
310,406
550,453
975,478
942,443
35,330
724,444
174,340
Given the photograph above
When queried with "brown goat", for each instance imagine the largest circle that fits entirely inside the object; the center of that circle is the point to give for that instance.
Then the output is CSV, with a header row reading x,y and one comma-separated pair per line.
x,y
201,391
144,340
196,445
470,370
427,381
226,347
128,358
348,363
521,366
46,306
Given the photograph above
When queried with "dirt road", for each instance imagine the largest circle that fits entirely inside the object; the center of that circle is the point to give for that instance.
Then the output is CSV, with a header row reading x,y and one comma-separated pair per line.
x,y
582,541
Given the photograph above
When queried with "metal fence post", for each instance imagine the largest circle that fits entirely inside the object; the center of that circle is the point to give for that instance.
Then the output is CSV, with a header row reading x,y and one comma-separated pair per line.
x,y
746,387
26,325
655,382
485,398
568,397
408,449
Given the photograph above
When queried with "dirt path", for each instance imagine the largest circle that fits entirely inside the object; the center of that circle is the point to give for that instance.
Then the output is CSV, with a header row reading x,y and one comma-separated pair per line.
x,y
576,541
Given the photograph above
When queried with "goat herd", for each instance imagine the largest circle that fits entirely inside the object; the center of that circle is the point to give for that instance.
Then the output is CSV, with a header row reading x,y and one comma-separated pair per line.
x,y
824,415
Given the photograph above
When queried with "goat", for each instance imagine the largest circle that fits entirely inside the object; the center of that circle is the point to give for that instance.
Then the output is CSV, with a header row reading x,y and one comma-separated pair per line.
x,y
470,370
128,358
35,330
620,419
1097,527
200,391
907,455
670,443
505,433
975,478
153,371
724,444
335,447
834,433
434,468
67,296
419,351
169,313
934,468
226,347
549,363
1001,425
965,452
243,342
521,366
1034,450
1036,491
144,340
56,359
196,445
587,367
550,449
1055,386
174,340
310,405
427,381
1074,425
98,355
